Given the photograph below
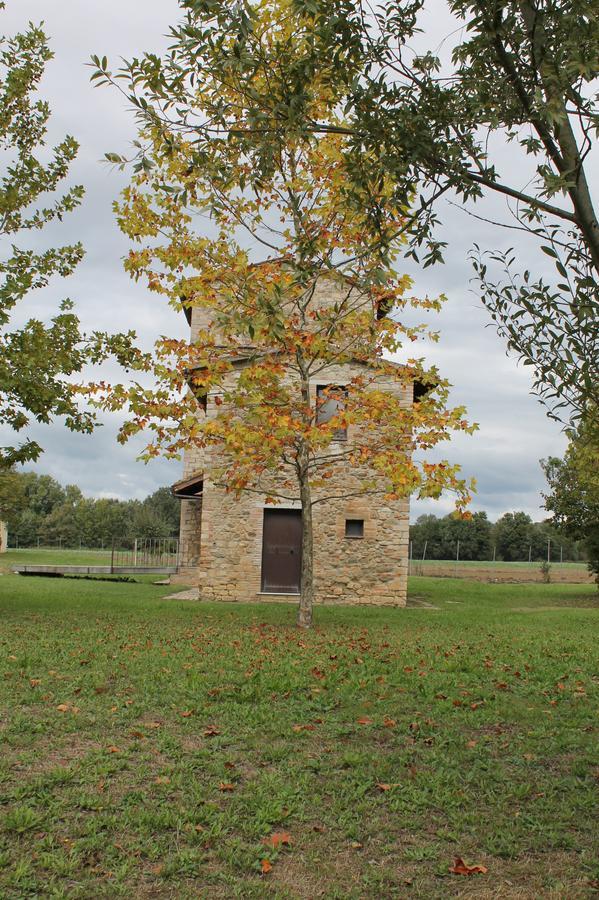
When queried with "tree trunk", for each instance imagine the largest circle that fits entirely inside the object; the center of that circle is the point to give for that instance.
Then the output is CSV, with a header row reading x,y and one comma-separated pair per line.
x,y
304,614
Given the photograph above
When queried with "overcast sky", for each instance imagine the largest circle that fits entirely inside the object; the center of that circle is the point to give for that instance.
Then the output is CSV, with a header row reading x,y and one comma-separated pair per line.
x,y
514,429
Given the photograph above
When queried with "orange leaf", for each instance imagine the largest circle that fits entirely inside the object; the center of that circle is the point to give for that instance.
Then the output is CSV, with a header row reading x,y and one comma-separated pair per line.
x,y
389,723
186,714
112,750
211,731
460,868
386,787
266,866
278,839
63,707
226,786
364,720
304,727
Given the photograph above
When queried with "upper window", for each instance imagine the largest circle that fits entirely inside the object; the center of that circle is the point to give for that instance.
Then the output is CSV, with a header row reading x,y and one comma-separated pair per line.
x,y
330,402
354,528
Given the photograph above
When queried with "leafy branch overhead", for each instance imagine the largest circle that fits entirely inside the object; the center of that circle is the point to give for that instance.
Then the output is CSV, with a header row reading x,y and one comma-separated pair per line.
x,y
290,357
39,359
522,72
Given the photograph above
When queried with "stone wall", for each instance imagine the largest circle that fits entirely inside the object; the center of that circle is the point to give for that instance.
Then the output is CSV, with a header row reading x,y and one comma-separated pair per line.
x,y
225,532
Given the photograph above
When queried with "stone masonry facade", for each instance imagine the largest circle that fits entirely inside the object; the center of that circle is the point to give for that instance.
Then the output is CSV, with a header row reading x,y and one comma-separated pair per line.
x,y
222,535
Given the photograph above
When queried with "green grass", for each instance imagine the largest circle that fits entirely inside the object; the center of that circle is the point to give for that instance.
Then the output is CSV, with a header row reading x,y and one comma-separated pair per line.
x,y
123,716
499,564
54,557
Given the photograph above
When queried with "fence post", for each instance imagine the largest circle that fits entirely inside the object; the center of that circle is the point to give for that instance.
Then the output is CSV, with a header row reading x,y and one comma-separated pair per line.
x,y
561,554
135,552
112,558
410,558
494,550
549,550
457,558
529,553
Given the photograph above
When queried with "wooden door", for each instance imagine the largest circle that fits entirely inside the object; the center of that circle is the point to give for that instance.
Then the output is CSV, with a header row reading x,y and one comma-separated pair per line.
x,y
281,551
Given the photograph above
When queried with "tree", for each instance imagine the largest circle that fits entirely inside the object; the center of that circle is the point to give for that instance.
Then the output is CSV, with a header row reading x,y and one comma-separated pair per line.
x,y
574,490
522,70
441,537
513,536
38,360
267,336
167,508
12,495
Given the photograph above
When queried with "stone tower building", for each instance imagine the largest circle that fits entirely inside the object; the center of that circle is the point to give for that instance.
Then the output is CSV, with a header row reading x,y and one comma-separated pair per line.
x,y
243,549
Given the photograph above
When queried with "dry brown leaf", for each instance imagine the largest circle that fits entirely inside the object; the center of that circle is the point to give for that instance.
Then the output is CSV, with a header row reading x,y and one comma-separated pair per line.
x,y
278,839
364,720
266,866
461,868
210,731
226,786
383,786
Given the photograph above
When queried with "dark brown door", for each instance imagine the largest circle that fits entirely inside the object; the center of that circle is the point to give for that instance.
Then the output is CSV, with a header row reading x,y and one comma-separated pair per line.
x,y
281,551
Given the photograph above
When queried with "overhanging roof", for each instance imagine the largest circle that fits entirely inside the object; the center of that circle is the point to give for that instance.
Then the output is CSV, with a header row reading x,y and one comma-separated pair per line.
x,y
190,488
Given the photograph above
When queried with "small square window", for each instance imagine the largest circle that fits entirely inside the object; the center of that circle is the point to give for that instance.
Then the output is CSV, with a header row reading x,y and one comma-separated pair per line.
x,y
354,528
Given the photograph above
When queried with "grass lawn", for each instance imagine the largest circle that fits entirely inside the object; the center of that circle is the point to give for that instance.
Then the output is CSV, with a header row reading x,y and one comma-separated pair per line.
x,y
153,749
32,556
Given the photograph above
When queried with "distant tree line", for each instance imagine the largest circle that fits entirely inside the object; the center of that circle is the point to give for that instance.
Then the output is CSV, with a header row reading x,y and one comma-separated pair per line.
x,y
513,538
37,509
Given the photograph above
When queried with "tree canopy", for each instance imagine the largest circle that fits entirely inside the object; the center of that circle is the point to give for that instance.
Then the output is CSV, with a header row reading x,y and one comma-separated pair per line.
x,y
217,138
522,74
573,496
39,359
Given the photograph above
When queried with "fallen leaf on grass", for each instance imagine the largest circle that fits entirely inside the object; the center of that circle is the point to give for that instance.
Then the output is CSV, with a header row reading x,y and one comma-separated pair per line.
x,y
278,839
308,727
113,750
364,720
266,866
63,707
460,868
471,743
389,723
226,786
383,786
34,682
210,731
186,714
